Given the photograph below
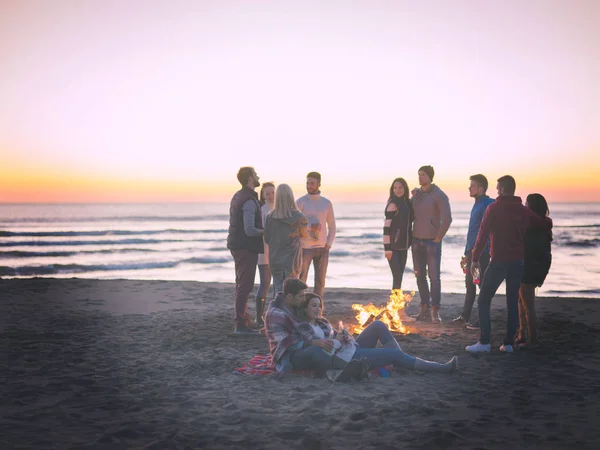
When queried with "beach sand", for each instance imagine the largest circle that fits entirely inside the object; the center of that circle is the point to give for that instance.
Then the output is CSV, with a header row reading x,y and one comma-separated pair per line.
x,y
148,364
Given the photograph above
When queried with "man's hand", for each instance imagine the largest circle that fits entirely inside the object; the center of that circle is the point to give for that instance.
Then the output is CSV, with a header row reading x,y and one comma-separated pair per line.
x,y
475,265
327,247
414,191
463,261
437,240
388,255
325,344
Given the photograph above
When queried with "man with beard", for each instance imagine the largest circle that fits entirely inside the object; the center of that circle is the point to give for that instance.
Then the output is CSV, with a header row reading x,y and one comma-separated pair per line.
x,y
245,241
321,231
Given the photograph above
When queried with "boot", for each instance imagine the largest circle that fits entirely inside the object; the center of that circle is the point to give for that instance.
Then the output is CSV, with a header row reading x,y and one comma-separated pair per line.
x,y
423,316
260,306
355,370
435,314
430,366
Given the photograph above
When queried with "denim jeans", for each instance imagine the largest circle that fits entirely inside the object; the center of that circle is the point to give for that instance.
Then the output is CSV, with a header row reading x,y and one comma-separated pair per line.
x,y
314,358
278,277
245,272
379,357
265,280
495,274
376,331
320,259
427,258
397,265
471,293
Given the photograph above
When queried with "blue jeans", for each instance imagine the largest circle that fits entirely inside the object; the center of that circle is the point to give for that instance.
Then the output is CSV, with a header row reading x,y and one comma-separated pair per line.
x,y
495,274
471,293
278,277
265,280
314,358
320,257
427,259
397,265
379,357
377,331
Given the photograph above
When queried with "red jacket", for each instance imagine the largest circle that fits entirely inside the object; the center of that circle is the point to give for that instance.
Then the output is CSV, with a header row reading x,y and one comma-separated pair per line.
x,y
505,221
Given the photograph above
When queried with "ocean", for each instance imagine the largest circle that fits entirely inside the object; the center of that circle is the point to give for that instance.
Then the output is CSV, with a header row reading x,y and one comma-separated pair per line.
x,y
188,242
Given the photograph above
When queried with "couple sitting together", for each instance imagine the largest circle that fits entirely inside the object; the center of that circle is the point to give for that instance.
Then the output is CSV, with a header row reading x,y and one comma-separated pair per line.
x,y
300,338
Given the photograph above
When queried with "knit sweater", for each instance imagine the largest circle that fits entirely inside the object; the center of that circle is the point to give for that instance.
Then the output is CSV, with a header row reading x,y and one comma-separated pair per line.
x,y
321,220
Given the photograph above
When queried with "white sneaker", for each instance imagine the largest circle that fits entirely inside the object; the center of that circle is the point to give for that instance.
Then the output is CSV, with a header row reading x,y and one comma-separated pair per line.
x,y
506,348
478,348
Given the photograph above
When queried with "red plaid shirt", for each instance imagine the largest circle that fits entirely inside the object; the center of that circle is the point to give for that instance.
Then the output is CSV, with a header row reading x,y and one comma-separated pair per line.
x,y
283,330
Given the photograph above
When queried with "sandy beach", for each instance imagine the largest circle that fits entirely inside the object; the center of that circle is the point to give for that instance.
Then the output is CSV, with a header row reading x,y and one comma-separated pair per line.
x,y
149,365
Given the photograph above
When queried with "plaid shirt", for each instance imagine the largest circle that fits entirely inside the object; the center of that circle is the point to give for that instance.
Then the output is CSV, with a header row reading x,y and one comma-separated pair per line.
x,y
283,331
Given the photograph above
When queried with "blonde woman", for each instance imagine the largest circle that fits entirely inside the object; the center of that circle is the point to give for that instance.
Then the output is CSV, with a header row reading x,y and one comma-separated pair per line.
x,y
284,228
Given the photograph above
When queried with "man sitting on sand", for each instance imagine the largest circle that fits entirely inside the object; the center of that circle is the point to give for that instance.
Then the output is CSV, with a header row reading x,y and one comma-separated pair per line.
x,y
294,349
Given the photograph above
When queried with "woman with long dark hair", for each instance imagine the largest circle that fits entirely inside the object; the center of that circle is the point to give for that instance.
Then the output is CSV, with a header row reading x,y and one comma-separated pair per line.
x,y
397,229
538,258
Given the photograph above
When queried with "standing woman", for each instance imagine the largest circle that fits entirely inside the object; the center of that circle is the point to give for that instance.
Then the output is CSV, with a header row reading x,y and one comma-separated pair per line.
x,y
397,229
538,258
284,228
267,202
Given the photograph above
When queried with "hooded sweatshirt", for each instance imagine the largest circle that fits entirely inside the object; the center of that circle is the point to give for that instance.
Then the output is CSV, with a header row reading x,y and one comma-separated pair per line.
x,y
432,213
284,238
505,222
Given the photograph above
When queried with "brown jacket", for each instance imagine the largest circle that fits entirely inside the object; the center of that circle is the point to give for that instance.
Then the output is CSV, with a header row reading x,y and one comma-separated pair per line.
x,y
432,213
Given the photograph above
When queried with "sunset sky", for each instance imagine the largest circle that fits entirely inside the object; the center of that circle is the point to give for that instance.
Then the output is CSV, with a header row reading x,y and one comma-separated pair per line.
x,y
164,100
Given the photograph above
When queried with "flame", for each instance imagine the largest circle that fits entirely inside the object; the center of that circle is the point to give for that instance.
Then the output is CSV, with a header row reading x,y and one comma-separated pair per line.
x,y
391,314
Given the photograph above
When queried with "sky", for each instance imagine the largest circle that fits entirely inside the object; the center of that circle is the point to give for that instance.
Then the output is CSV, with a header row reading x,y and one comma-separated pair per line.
x,y
110,101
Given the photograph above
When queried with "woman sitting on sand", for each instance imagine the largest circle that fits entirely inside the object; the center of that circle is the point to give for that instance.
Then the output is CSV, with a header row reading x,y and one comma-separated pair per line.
x,y
284,228
390,353
538,258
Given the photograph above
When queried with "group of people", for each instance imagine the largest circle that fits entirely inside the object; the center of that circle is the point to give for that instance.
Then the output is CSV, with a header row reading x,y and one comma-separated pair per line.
x,y
280,236
506,241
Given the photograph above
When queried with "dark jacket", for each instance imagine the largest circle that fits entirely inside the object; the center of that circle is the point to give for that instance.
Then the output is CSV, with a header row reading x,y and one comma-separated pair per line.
x,y
538,246
398,225
505,222
237,239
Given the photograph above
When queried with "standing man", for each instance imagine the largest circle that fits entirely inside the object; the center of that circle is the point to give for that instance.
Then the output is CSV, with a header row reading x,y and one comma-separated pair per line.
x,y
245,241
432,220
321,231
505,221
477,190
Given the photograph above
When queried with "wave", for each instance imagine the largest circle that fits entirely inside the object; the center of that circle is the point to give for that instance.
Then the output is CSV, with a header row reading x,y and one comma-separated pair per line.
x,y
580,243
596,225
101,233
23,254
580,291
52,269
105,242
222,217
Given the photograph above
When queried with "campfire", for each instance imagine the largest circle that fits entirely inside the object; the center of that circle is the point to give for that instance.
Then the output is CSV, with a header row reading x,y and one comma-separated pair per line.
x,y
391,314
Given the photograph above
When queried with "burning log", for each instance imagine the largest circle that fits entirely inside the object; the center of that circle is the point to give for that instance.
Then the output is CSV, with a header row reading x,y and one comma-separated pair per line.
x,y
390,314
